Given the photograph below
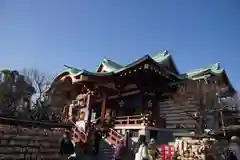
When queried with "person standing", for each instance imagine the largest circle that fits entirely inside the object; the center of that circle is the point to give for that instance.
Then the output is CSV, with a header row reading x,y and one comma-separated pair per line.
x,y
154,152
120,150
67,147
142,149
123,149
97,139
129,146
233,151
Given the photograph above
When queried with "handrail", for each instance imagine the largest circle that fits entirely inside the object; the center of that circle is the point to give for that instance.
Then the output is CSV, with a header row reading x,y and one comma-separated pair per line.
x,y
79,136
75,125
114,137
134,116
79,133
115,132
136,119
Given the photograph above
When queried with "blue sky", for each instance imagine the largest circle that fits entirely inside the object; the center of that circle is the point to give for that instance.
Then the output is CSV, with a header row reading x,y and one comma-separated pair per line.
x,y
47,34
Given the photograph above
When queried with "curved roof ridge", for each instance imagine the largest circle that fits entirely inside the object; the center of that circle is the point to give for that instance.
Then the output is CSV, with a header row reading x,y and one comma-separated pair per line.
x,y
165,57
159,57
70,67
70,70
135,62
109,65
112,63
214,68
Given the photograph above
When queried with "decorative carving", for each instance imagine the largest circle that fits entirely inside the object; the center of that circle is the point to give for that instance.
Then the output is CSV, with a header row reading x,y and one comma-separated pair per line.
x,y
121,103
81,115
149,104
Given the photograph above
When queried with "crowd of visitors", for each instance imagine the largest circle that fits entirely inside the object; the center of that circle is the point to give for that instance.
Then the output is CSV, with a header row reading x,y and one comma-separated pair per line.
x,y
125,150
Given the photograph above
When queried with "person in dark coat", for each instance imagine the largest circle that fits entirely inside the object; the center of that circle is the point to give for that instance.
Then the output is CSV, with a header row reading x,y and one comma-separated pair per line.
x,y
97,139
123,149
67,147
233,151
120,150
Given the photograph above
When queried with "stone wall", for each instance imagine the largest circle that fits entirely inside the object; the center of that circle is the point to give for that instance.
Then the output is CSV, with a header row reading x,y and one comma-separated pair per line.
x,y
18,142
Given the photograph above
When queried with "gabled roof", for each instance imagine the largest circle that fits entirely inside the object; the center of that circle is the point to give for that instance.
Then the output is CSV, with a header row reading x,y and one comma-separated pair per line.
x,y
162,59
108,66
214,69
166,59
202,73
111,67
75,72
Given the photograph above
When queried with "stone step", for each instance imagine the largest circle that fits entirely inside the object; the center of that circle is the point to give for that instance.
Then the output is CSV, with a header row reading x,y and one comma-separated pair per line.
x,y
106,151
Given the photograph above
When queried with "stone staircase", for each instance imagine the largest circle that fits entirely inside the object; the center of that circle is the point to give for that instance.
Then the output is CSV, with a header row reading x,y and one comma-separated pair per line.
x,y
106,150
107,145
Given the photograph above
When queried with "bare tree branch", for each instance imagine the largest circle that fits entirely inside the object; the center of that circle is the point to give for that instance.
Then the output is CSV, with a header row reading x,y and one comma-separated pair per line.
x,y
203,93
41,83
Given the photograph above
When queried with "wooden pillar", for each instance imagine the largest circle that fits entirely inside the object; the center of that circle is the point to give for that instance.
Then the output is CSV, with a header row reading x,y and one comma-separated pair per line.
x,y
103,107
88,111
70,112
142,102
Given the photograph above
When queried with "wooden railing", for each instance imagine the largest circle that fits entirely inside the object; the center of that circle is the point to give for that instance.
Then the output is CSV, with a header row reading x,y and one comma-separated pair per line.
x,y
78,134
131,120
114,137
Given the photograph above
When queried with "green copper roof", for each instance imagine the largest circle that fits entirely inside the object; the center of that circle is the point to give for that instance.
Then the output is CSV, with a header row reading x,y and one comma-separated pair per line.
x,y
109,66
75,72
71,70
163,58
214,69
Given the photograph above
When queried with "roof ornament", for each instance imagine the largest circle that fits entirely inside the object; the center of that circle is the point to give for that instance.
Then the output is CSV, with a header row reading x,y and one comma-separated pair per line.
x,y
149,104
165,52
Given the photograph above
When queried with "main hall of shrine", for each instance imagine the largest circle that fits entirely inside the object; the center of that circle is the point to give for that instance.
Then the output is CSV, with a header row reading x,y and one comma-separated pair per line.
x,y
138,96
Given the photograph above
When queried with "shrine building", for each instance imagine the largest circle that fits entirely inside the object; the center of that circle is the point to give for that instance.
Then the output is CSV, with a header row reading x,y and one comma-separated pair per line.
x,y
138,96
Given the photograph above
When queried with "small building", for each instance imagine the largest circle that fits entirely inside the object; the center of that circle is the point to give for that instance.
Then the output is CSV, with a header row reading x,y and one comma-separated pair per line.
x,y
138,96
